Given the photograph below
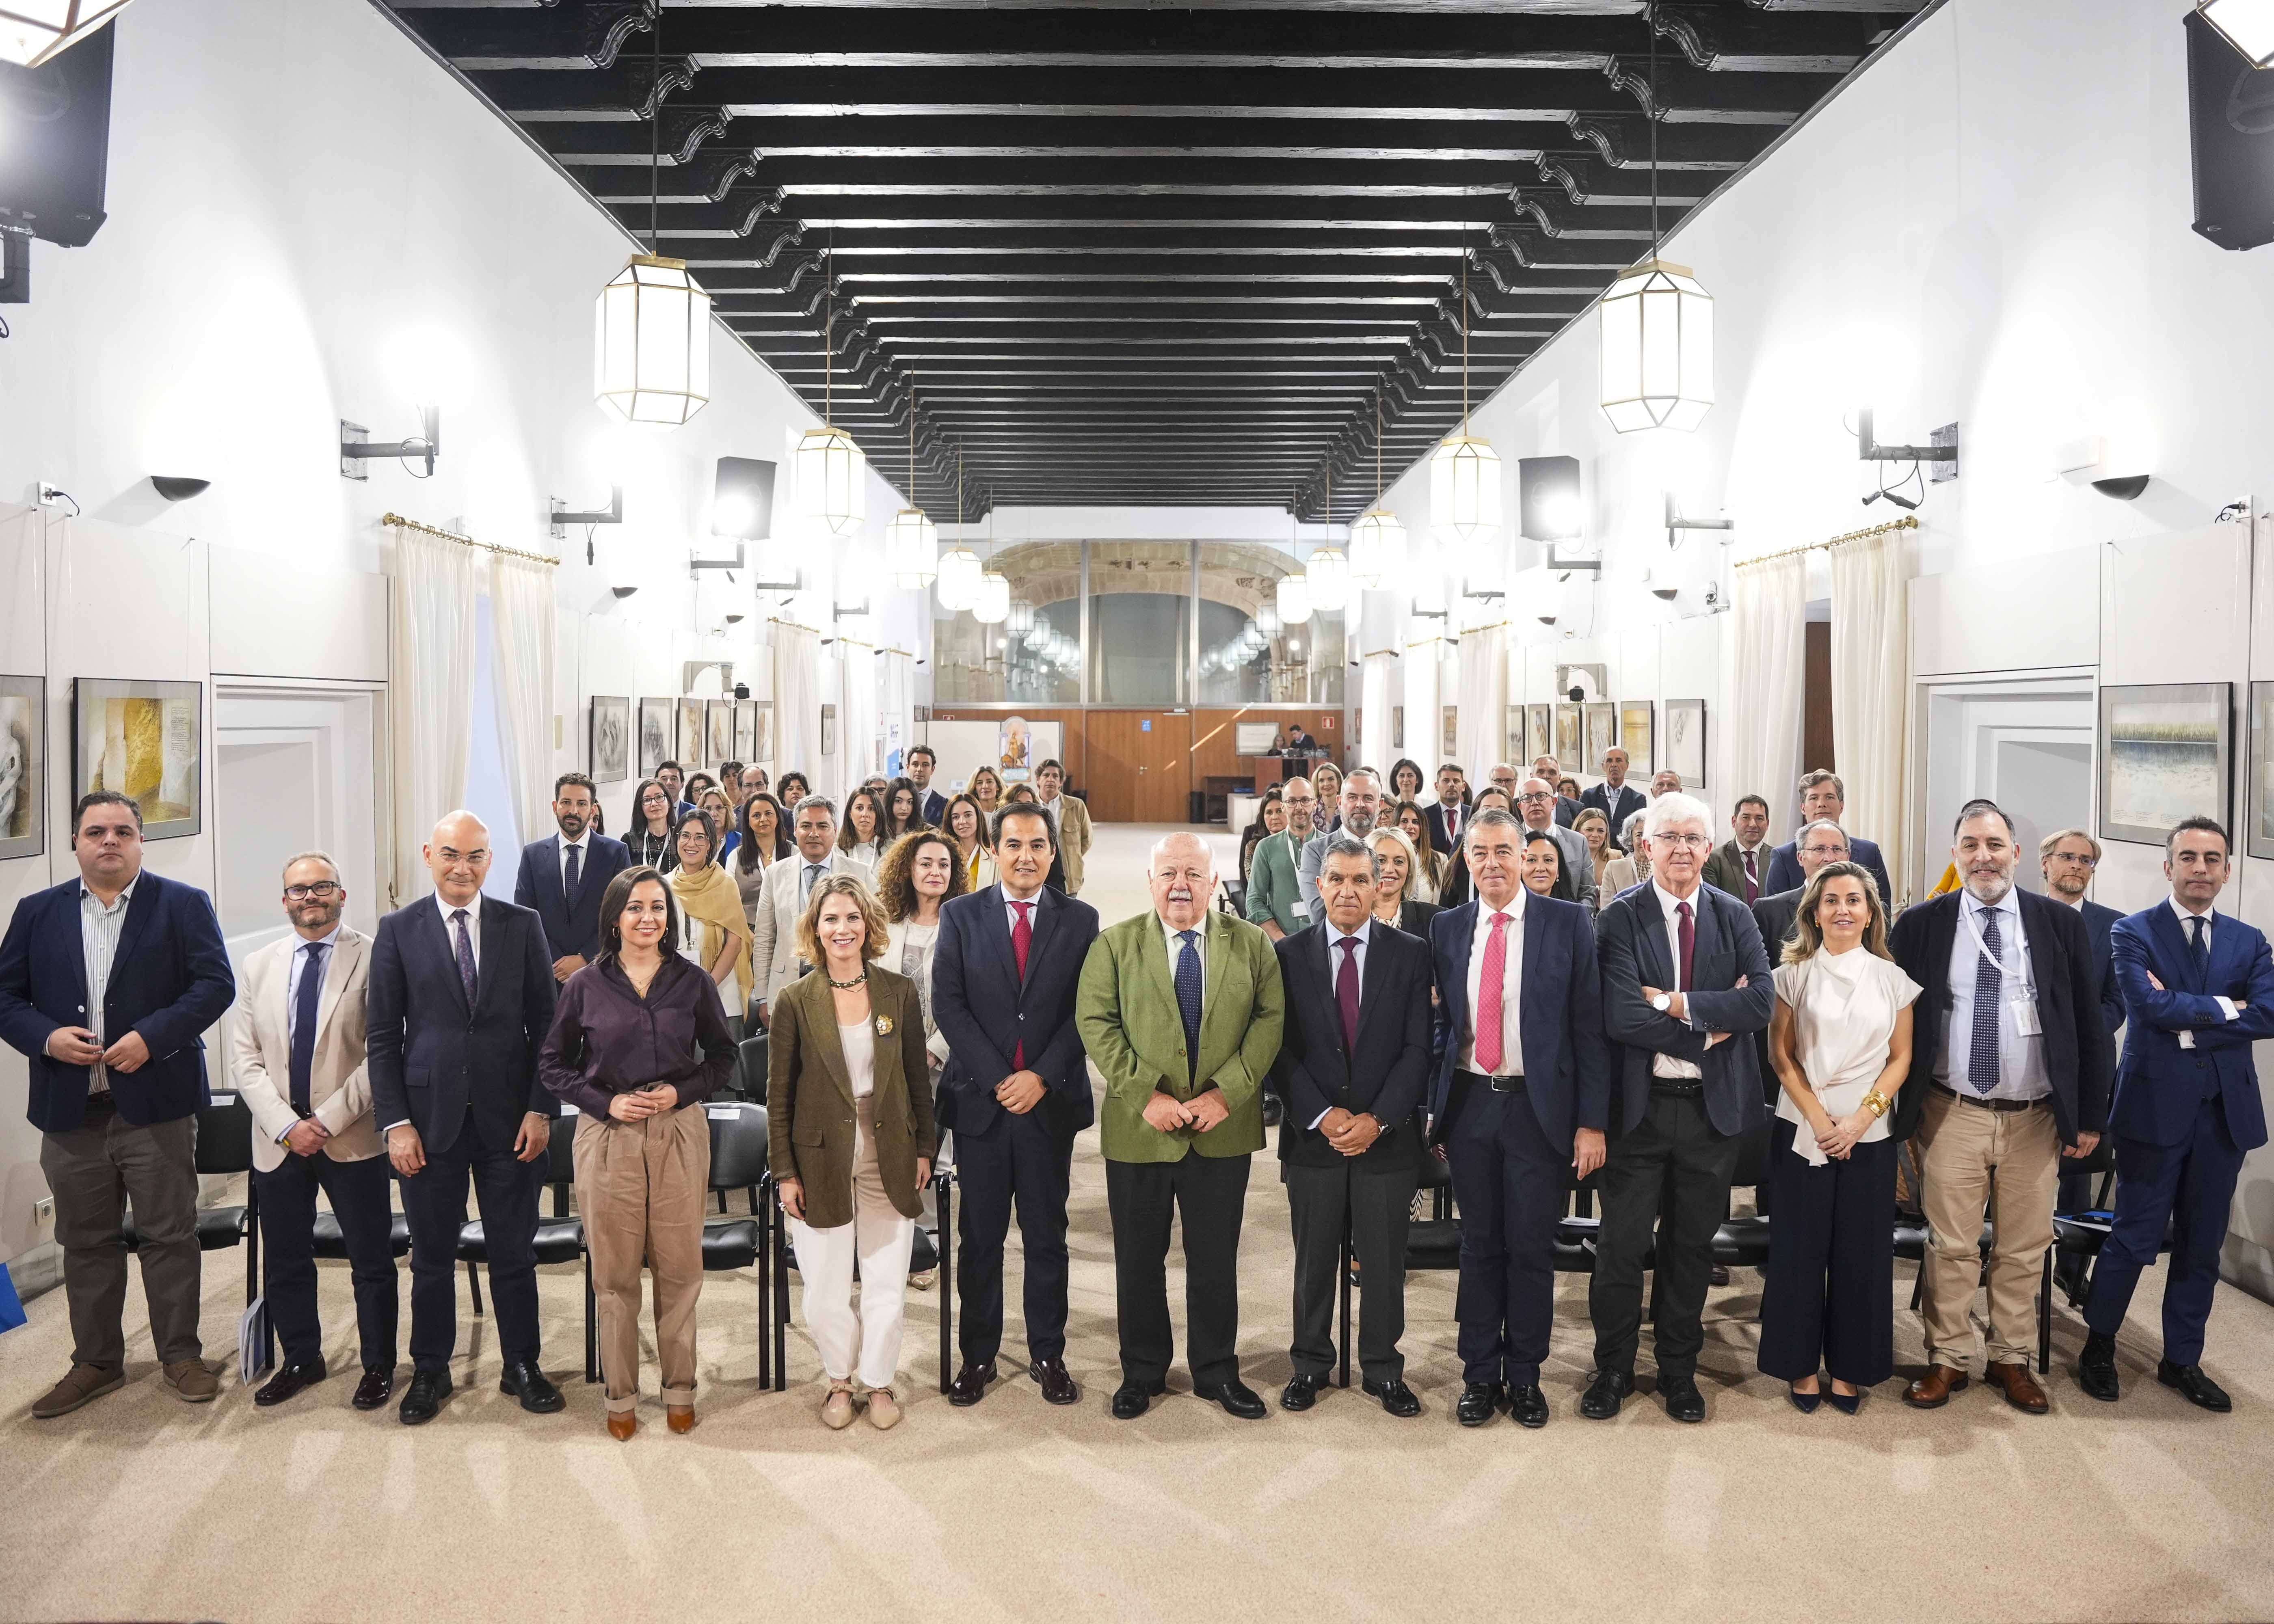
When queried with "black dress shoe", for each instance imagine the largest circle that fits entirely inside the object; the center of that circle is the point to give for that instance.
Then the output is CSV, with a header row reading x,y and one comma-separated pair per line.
x,y
289,1380
424,1397
1301,1392
1236,1397
1719,1275
1057,1383
1529,1405
2199,1389
1600,1402
1396,1396
1132,1399
374,1389
1478,1402
1682,1400
2096,1369
524,1380
970,1384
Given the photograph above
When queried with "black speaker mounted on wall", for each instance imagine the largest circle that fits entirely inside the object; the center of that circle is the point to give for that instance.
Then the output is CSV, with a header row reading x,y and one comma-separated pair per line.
x,y
2231,134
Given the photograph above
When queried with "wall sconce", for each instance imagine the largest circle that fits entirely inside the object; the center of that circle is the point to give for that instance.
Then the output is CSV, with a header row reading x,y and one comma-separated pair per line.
x,y
2106,474
1941,449
1676,522
426,445
612,514
176,488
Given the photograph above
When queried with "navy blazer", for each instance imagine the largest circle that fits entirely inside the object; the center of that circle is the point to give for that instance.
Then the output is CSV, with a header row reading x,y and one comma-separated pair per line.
x,y
1316,1072
1566,1066
1630,800
572,924
433,1061
2078,1048
935,808
170,980
1636,954
984,1012
2161,1087
1444,841
1784,868
2098,920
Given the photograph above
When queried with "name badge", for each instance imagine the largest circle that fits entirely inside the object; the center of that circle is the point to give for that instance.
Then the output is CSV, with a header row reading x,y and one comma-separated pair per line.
x,y
2025,1017
1302,909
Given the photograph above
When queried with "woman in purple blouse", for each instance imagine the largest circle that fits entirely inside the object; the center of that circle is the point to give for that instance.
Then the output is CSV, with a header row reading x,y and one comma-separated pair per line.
x,y
639,1043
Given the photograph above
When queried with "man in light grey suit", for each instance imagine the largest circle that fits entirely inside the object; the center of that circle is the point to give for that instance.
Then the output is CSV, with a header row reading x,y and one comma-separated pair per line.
x,y
773,939
1361,805
1535,804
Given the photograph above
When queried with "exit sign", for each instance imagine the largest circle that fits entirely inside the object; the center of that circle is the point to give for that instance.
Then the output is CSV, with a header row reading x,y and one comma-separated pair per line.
x,y
1145,724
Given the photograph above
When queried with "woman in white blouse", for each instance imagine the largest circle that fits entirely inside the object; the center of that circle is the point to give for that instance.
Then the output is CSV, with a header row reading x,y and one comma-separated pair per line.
x,y
920,871
1840,1042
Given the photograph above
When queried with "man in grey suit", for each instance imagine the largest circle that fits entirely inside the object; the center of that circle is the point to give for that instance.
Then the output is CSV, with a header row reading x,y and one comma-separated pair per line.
x,y
1361,805
1818,844
1535,804
773,939
1275,895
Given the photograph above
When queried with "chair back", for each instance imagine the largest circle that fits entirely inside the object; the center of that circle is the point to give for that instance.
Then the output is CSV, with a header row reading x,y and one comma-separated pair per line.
x,y
751,1074
561,1150
225,1135
738,1144
1752,1168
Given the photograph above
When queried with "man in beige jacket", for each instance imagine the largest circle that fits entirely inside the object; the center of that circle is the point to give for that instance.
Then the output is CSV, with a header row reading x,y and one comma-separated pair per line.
x,y
297,1048
1072,817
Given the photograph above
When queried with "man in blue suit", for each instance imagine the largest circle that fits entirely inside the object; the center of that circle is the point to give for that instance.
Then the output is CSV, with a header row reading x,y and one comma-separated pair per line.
x,y
1683,973
1522,1092
1014,1093
1823,797
107,984
2068,858
921,763
563,876
2198,989
461,997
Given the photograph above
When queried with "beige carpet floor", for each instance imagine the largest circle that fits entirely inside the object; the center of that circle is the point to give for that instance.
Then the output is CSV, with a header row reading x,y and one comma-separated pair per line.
x,y
141,1507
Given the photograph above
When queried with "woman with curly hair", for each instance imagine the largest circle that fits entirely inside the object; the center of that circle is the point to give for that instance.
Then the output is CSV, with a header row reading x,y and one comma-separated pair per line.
x,y
919,872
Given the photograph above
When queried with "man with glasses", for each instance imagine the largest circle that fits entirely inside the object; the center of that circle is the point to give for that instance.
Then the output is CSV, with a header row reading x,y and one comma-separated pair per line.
x,y
1361,806
1817,844
1535,804
2068,858
1274,890
1824,798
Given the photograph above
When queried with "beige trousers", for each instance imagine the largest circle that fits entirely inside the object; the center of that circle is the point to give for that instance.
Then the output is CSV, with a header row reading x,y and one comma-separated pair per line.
x,y
640,1187
1967,1155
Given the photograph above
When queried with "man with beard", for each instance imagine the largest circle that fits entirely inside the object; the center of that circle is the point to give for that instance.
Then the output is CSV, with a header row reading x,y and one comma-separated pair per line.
x,y
563,876
1361,805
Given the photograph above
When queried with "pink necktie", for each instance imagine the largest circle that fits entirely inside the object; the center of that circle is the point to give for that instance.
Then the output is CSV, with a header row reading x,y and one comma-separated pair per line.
x,y
1489,978
1021,939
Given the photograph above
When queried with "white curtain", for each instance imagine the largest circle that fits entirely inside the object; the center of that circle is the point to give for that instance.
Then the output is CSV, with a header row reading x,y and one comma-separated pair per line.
x,y
896,710
1424,726
1870,694
1375,690
1482,728
857,746
1769,629
797,702
521,616
434,583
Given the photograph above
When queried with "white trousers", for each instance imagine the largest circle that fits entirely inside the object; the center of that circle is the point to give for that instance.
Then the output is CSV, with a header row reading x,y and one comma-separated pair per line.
x,y
863,1342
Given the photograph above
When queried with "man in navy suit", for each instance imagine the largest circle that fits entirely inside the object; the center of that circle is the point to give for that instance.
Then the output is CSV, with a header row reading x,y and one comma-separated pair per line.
x,y
921,763
1683,975
1449,813
1014,1093
1522,1092
1615,798
563,876
1823,797
461,997
107,983
2199,988
2068,858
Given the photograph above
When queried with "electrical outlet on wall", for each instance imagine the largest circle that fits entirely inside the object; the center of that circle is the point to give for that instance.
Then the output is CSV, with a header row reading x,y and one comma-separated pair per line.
x,y
43,1211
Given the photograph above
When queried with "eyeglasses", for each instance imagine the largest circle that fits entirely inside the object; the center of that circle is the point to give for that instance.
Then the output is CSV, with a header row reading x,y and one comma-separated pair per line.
x,y
1696,842
1535,797
2087,860
322,890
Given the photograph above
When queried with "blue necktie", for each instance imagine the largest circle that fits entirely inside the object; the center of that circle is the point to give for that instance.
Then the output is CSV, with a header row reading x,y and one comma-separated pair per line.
x,y
1188,998
2199,951
576,873
304,1024
1981,1066
465,955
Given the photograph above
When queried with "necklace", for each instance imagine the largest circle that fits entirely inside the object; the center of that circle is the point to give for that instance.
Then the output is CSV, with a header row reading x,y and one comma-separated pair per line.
x,y
848,985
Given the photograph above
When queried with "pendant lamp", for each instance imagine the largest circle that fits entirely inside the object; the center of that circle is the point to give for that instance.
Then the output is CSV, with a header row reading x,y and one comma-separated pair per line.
x,y
958,583
1465,470
1377,536
833,496
990,599
912,541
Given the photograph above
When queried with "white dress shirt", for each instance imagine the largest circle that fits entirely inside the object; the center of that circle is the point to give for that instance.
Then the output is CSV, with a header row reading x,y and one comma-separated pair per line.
x,y
2187,1038
1034,907
1177,951
473,925
98,933
582,842
1511,1029
330,945
1664,1064
1335,936
2020,1055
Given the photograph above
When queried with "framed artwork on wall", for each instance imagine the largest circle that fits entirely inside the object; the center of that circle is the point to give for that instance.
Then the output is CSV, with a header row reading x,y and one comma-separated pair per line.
x,y
146,739
1602,733
829,730
1397,727
2258,833
746,731
1685,741
719,734
2166,752
1571,746
23,766
655,725
687,740
761,730
1539,732
611,739
1452,740
1638,730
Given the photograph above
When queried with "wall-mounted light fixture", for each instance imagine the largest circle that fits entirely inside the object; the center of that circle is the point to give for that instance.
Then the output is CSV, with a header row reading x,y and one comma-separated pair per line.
x,y
1941,449
612,514
2113,474
1676,522
177,488
355,449
2246,24
742,499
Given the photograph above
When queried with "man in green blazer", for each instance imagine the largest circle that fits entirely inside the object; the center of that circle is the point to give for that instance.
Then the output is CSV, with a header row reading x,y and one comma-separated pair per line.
x,y
1181,1011
1275,897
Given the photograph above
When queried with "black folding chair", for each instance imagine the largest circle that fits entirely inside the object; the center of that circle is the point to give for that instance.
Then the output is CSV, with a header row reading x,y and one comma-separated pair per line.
x,y
750,1065
560,1238
1743,1241
225,1147
738,1161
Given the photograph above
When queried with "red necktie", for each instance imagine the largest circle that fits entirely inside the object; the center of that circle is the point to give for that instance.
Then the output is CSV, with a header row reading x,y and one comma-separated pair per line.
x,y
1346,992
1489,977
1688,934
1022,937
1752,881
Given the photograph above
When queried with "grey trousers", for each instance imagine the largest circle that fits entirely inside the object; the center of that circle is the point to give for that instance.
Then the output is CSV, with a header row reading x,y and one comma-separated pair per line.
x,y
94,1171
1379,1207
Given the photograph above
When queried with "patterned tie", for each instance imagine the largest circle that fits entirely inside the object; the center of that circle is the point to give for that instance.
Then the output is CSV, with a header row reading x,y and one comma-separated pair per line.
x,y
1346,992
1188,999
303,1023
2199,949
813,871
1982,1064
1752,881
465,955
575,872
1489,1019
1022,937
1686,933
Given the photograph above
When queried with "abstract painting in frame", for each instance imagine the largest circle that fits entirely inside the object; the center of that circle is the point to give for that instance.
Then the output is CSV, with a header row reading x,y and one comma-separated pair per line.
x,y
2166,752
1685,741
1571,745
1637,719
612,737
655,725
689,739
1538,732
23,766
146,739
1602,733
719,731
2259,834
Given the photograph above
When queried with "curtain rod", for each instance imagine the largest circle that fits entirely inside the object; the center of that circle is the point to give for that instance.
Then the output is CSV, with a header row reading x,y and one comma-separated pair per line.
x,y
400,523
1909,521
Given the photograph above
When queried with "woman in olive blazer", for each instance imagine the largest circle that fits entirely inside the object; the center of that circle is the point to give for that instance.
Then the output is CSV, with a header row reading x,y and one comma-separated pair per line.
x,y
849,1125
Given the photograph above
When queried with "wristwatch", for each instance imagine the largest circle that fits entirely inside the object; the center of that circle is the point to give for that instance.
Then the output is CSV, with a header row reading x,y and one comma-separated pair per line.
x,y
1662,1002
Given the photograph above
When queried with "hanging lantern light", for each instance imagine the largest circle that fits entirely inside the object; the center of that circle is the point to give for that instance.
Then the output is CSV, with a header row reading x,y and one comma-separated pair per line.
x,y
833,496
1464,470
1267,619
1377,536
1294,600
958,584
990,600
31,34
1020,620
1655,326
1329,575
912,541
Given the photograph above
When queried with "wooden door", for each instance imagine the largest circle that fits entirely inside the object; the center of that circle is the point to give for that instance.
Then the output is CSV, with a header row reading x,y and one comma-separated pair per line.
x,y
1139,765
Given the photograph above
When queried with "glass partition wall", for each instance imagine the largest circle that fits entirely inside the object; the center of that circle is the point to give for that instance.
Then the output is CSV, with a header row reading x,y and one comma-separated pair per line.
x,y
1138,623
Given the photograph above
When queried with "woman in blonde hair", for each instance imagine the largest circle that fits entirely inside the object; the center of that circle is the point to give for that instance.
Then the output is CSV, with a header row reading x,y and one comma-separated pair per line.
x,y
1398,899
986,788
1840,1042
1327,779
1593,825
851,1187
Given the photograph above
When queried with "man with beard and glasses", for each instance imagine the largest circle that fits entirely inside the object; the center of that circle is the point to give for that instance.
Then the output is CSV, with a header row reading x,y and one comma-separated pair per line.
x,y
1361,806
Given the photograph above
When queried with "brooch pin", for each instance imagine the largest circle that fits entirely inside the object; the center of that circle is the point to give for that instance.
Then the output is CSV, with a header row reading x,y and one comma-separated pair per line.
x,y
884,1026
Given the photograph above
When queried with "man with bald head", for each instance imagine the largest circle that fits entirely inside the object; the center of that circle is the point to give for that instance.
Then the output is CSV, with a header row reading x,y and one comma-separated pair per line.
x,y
1181,1009
461,997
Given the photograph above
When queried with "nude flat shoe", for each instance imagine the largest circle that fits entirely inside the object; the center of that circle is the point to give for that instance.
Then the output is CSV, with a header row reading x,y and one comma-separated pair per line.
x,y
884,1409
837,1408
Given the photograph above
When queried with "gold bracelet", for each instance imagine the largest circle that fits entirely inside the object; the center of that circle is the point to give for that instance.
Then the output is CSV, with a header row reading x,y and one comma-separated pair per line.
x,y
1878,1103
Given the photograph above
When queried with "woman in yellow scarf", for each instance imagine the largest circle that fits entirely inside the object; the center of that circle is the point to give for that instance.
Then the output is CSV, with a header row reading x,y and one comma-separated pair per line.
x,y
719,931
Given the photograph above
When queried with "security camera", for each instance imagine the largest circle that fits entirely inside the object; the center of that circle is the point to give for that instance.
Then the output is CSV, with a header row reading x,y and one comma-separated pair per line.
x,y
742,690
1576,693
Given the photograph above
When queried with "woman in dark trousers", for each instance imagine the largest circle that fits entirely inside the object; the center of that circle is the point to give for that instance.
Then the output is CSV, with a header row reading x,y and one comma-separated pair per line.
x,y
1840,1040
639,1043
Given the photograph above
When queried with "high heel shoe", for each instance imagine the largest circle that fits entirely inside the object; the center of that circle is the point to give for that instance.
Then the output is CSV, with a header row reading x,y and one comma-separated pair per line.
x,y
679,1418
621,1424
1804,1403
1846,1403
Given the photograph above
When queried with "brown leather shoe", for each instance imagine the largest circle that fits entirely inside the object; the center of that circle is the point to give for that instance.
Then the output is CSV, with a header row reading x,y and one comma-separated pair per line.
x,y
81,1384
192,1382
2020,1386
679,1418
1933,1390
621,1424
